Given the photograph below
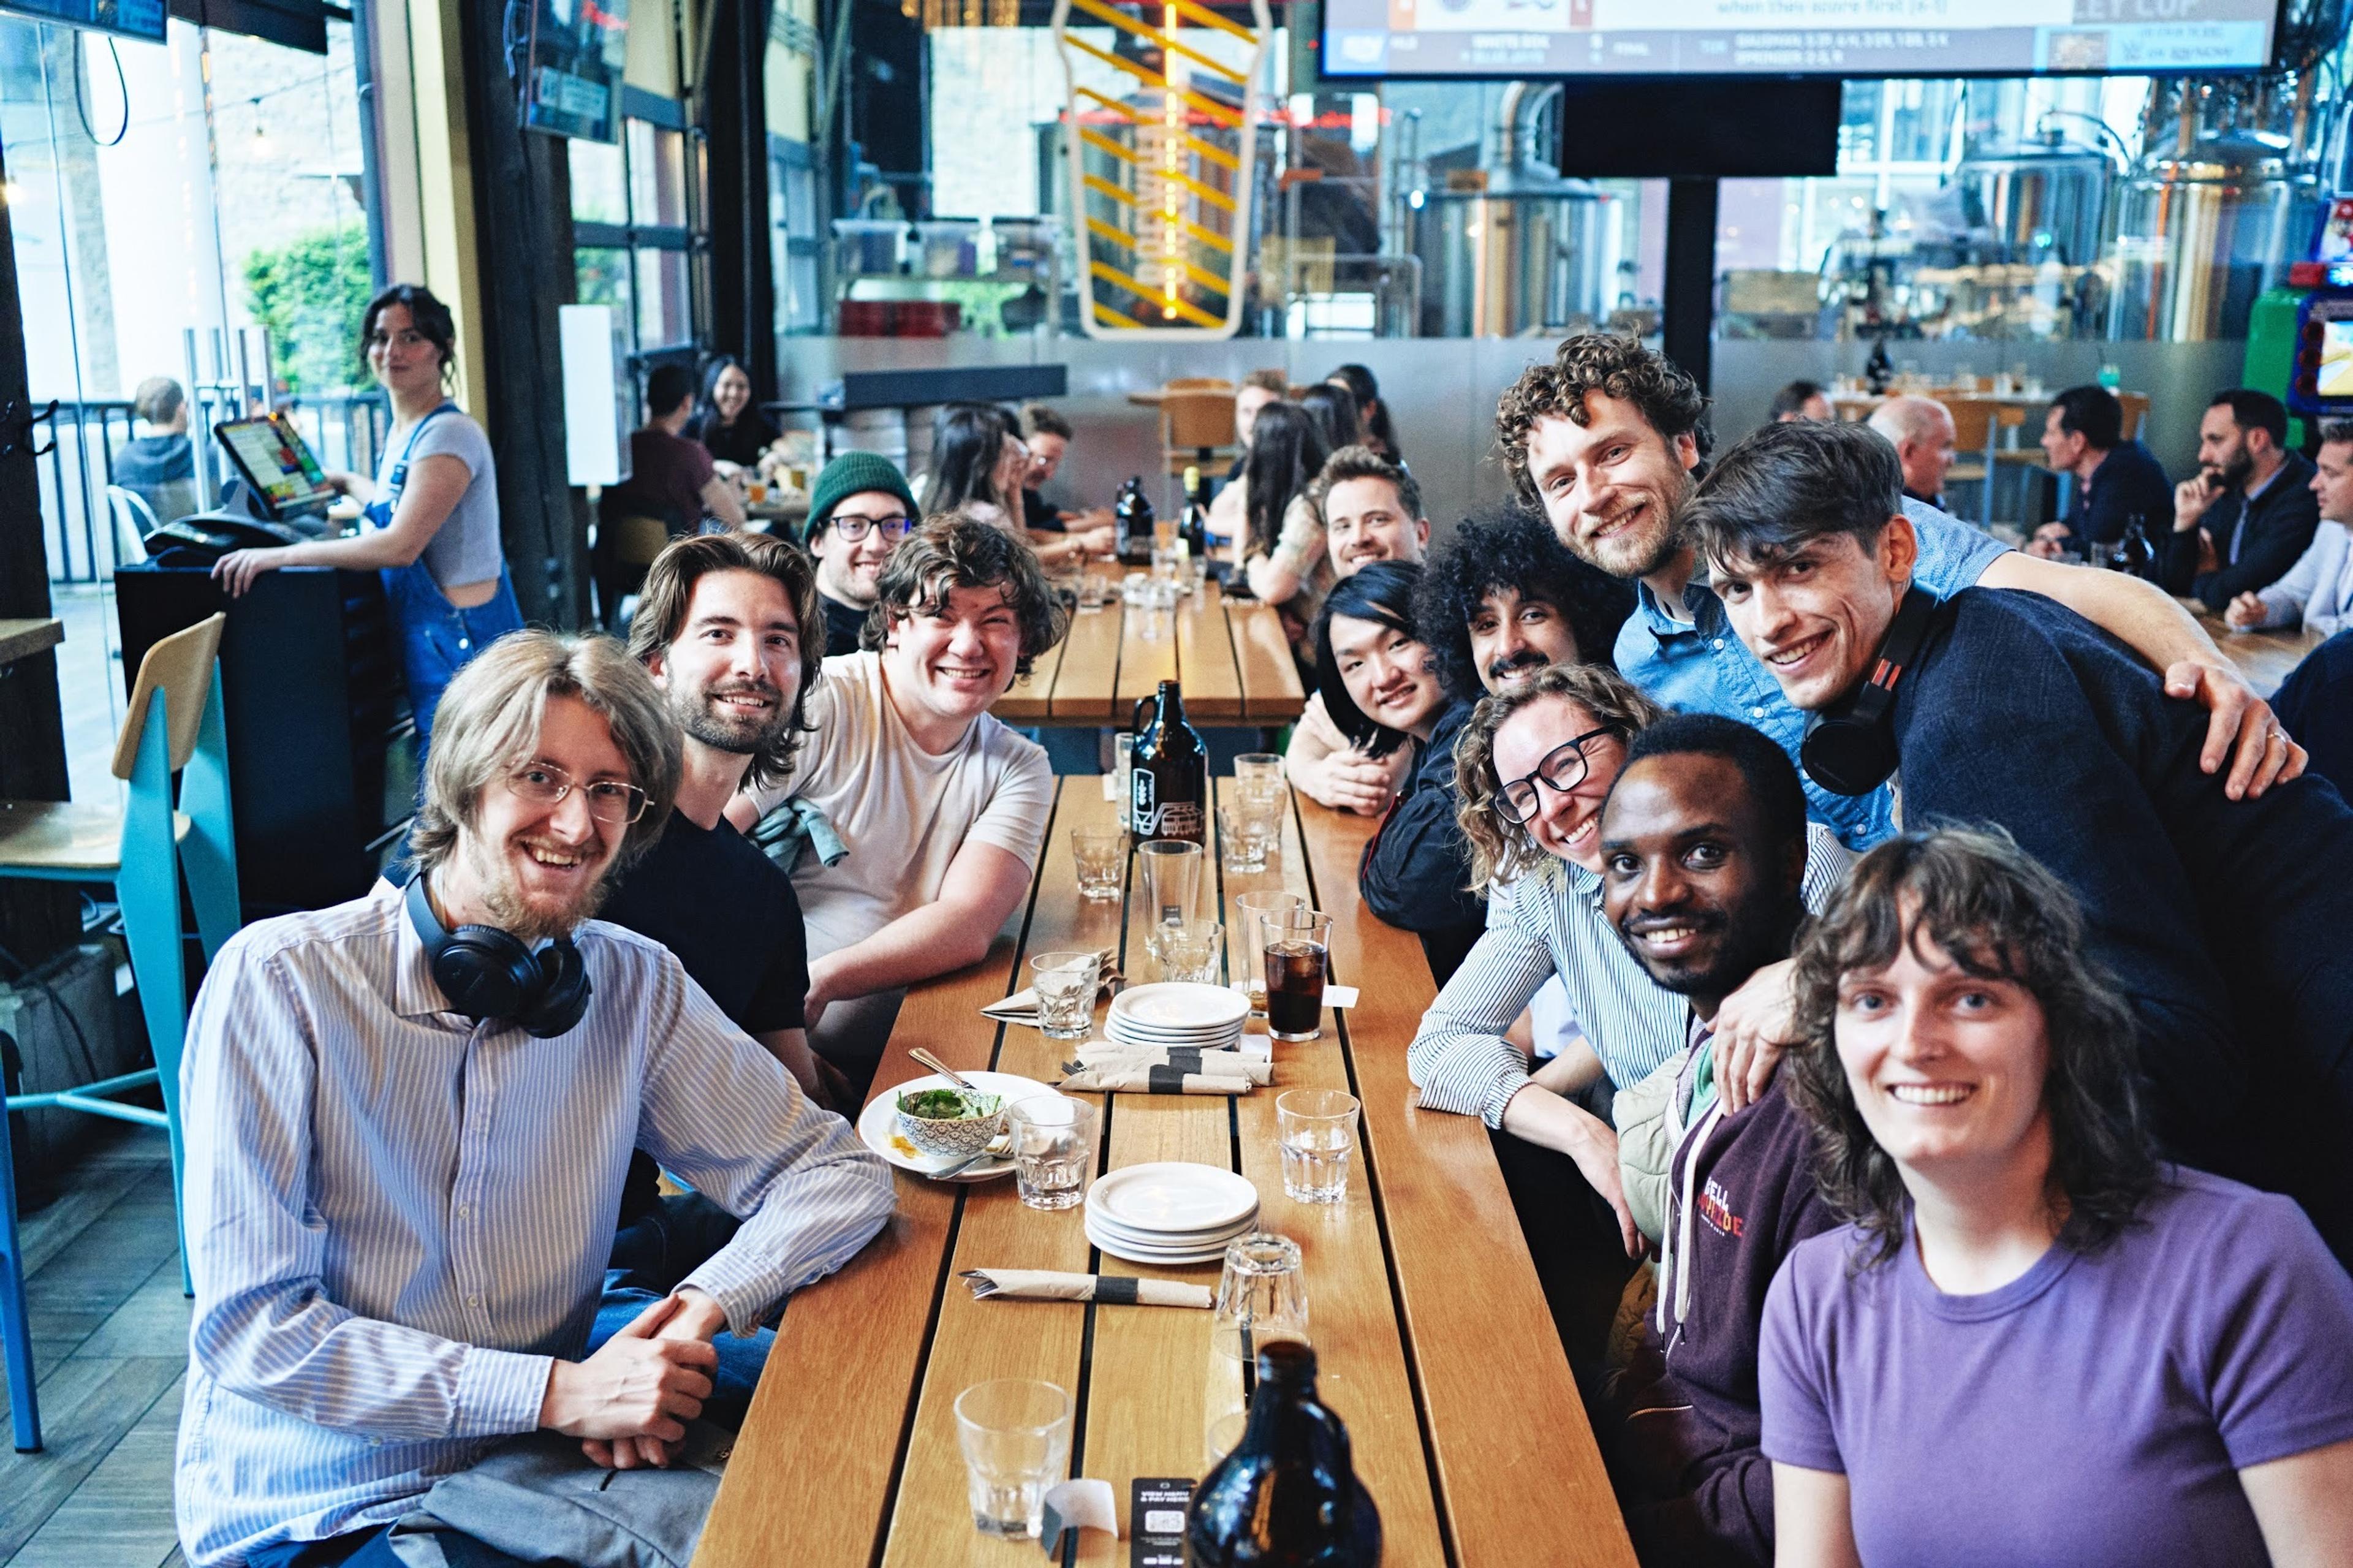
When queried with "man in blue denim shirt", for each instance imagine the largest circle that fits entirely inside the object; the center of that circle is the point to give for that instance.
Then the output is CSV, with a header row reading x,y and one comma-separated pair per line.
x,y
2013,712
1608,438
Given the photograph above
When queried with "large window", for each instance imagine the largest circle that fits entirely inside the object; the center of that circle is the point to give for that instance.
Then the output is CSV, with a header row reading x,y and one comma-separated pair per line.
x,y
186,212
639,236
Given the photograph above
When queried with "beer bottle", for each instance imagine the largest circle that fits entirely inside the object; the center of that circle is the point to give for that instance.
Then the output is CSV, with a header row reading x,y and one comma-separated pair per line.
x,y
1169,776
1195,528
1131,521
2139,555
1287,1497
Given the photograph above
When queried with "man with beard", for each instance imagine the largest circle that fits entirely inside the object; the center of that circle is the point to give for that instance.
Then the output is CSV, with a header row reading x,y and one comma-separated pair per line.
x,y
1501,600
1703,850
2241,520
1608,438
860,509
939,809
408,1119
1372,512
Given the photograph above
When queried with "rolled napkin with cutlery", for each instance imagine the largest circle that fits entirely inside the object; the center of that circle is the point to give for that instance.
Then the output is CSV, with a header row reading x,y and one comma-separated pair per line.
x,y
1050,1284
1079,1078
1021,1007
1101,1055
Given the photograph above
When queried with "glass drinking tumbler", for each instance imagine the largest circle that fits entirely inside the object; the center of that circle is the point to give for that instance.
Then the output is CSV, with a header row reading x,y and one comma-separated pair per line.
x,y
1066,985
1053,1142
1172,879
1102,856
1190,950
1298,953
1262,1296
1015,1437
1317,1128
1251,912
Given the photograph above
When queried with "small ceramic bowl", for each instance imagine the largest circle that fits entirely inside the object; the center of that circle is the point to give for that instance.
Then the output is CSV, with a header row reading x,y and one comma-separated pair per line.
x,y
969,1133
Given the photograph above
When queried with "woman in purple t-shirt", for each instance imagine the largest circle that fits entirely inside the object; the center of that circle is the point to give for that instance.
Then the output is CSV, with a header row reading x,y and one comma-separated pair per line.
x,y
2038,1344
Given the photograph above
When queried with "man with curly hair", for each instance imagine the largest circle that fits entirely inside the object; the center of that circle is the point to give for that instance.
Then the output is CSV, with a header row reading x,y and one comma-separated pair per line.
x,y
1608,438
939,808
1501,599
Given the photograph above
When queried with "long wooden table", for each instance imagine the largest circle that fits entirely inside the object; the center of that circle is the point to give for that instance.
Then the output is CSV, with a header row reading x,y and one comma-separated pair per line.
x,y
1433,1337
1230,655
2265,658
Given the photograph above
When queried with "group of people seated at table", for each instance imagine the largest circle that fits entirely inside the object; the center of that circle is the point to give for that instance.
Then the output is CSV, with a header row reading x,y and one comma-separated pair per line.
x,y
1920,947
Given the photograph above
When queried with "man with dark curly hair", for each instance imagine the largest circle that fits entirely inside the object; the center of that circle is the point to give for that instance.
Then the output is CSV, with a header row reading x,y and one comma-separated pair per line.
x,y
1608,438
1501,599
940,809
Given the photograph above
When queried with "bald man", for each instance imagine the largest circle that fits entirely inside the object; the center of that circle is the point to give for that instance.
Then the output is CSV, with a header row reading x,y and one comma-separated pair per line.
x,y
1921,431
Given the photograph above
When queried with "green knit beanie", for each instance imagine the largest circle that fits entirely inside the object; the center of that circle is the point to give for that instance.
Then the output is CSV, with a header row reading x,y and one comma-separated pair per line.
x,y
854,473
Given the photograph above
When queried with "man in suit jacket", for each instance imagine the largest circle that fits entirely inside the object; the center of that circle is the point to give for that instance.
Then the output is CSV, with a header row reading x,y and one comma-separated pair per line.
x,y
2318,589
2244,517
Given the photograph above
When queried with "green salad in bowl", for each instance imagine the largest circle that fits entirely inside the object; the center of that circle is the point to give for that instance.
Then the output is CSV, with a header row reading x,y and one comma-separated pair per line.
x,y
950,1121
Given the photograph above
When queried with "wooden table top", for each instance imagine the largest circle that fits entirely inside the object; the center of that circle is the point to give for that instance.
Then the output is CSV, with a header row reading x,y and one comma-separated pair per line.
x,y
22,638
1230,655
1433,1337
2263,657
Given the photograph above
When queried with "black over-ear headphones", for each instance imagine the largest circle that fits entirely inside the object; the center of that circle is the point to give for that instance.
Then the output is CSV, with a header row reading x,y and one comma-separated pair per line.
x,y
487,973
1850,749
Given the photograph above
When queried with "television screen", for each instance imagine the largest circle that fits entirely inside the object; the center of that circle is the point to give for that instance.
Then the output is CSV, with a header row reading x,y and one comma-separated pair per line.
x,y
578,49
142,19
2335,381
1501,38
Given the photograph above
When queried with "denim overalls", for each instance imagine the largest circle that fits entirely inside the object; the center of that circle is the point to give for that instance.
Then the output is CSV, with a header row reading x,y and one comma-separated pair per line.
x,y
436,637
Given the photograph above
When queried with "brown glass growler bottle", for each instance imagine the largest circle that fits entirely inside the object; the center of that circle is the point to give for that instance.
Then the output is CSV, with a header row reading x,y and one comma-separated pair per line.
x,y
1169,784
1132,523
1287,1497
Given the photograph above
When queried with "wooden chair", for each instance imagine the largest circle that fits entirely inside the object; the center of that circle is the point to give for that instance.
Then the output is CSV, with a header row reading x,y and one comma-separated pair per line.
x,y
1978,423
626,546
2136,406
1196,426
1198,383
140,850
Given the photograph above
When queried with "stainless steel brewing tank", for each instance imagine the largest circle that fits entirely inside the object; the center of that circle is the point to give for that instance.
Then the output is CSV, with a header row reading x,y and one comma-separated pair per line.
x,y
2043,200
2200,235
1503,264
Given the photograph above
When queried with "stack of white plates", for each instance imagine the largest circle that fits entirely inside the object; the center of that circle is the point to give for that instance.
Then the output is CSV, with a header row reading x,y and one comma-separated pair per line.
x,y
1175,1014
1169,1212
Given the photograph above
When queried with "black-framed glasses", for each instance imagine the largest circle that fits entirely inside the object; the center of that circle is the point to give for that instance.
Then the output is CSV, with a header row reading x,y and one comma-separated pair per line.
x,y
1562,769
613,802
853,527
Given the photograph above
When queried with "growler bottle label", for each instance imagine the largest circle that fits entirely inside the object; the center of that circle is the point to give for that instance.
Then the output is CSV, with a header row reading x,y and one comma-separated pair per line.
x,y
1149,816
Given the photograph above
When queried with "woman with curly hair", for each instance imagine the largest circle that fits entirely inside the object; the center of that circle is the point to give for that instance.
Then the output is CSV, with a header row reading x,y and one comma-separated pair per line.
x,y
2036,1344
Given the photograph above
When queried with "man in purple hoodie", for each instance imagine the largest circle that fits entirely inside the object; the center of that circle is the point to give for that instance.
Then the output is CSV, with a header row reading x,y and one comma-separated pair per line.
x,y
1703,849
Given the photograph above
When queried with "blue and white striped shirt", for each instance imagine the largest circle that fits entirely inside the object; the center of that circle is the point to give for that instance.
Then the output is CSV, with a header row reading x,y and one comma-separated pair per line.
x,y
1549,921
398,1217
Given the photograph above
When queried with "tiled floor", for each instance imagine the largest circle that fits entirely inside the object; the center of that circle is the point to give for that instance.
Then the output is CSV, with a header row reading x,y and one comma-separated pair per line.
x,y
110,1348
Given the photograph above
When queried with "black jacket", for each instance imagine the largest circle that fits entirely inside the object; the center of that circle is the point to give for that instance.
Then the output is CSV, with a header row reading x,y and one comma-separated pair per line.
x,y
2277,526
2208,911
1416,865
2316,703
2130,482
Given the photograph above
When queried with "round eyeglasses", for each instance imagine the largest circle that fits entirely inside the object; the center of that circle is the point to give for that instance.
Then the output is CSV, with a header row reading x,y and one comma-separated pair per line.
x,y
853,527
613,802
1562,769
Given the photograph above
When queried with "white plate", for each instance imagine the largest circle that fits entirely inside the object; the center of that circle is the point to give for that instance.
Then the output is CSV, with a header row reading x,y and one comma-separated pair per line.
x,y
1173,1197
1181,1005
1098,1225
877,1124
1121,1030
1153,1255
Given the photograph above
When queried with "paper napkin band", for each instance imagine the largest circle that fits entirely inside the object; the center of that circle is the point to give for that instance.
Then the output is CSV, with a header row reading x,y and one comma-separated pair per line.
x,y
1052,1285
1188,1059
1147,1081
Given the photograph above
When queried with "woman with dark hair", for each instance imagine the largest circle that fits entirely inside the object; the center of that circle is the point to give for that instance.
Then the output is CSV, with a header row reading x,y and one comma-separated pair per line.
x,y
1281,549
432,510
1334,412
1372,413
1381,686
969,454
728,425
2123,1361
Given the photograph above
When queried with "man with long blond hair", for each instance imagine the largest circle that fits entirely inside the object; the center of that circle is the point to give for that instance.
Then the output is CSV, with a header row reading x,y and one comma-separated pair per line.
x,y
408,1118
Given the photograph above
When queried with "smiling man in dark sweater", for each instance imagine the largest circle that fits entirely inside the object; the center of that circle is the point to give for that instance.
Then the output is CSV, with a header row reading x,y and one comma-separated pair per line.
x,y
2212,913
1703,854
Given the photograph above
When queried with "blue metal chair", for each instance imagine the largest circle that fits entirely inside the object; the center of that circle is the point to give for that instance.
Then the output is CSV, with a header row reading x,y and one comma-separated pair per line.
x,y
174,726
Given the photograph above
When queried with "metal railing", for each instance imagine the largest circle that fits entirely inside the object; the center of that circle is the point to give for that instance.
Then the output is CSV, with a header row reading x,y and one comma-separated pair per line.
x,y
344,429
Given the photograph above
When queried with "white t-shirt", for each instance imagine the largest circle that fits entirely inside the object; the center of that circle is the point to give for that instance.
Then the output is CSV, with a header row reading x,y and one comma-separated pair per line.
x,y
901,812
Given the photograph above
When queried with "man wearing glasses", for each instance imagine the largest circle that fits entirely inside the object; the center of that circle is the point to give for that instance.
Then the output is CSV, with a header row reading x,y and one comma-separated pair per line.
x,y
861,508
408,1120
